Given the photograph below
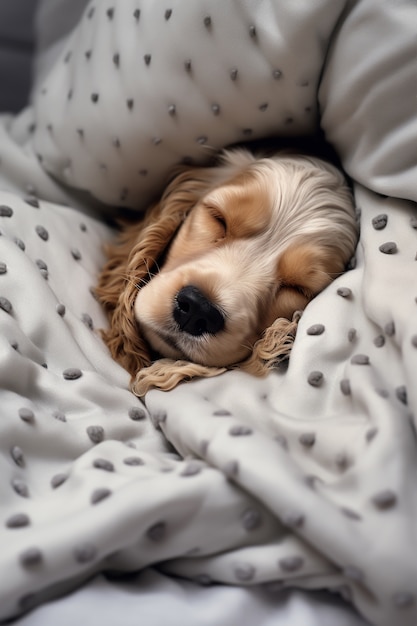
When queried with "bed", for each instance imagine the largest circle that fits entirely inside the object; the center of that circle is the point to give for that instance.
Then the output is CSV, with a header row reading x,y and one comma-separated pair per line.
x,y
233,500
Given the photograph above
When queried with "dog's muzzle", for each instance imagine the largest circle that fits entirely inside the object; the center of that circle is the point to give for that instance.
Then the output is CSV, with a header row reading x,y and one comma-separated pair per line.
x,y
195,314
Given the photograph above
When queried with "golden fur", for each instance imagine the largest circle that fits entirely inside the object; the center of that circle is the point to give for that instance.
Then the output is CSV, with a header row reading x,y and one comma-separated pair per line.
x,y
252,239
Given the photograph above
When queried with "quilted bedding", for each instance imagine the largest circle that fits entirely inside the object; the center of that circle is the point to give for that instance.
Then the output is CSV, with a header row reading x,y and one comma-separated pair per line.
x,y
306,478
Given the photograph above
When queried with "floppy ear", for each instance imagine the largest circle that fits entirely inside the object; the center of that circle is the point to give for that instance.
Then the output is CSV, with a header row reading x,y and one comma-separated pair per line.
x,y
133,258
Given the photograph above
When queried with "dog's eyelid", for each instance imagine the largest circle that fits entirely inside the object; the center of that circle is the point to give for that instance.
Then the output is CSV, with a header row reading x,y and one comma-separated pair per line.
x,y
216,214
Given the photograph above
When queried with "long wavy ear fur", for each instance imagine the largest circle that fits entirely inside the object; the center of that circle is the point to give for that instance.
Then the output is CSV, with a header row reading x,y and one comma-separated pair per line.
x,y
133,258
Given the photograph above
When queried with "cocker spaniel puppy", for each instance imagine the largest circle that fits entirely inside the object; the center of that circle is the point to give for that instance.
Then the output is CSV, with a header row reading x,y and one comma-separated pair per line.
x,y
213,275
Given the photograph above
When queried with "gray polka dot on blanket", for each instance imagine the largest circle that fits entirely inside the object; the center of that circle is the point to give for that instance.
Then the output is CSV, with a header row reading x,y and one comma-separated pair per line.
x,y
42,232
168,14
240,431
315,379
20,488
316,329
414,341
371,434
351,514
390,329
282,440
17,456
100,494
94,97
136,413
389,247
231,469
221,413
26,415
103,464
403,599
157,532
379,341
291,564
6,305
20,244
60,309
192,468
76,254
251,519
385,499
72,373
59,415
158,418
87,320
360,359
3,268
85,553
31,557
307,439
293,519
58,479
354,573
244,572
203,447
136,14
345,387
33,201
95,433
344,292
352,334
413,222
380,221
5,211
383,393
342,461
401,393
18,520
133,461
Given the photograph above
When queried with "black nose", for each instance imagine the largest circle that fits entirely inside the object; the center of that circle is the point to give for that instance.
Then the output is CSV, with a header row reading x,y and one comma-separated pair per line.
x,y
195,314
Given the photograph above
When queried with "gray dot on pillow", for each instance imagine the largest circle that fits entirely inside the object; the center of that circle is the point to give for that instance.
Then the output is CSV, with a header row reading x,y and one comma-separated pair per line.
x,y
244,572
94,97
156,532
136,413
252,31
99,495
130,103
401,393
156,141
31,557
116,59
103,464
413,222
352,334
344,292
390,329
42,232
58,479
293,519
60,309
202,140
240,431
20,488
233,73
69,97
316,329
158,418
282,440
207,21
3,268
231,469
67,57
14,345
251,519
360,359
383,393
20,244
32,201
6,305
87,321
354,573
18,520
385,499
403,599
307,439
168,14
371,434
389,247
315,379
5,211
414,341
76,254
59,415
277,74
263,107
91,12
42,265
380,221
95,433
379,341
133,461
345,387
80,132
221,413
26,415
188,65
72,373
342,461
17,456
85,553
147,58
215,108
110,13
136,14
192,468
351,514
291,563
88,54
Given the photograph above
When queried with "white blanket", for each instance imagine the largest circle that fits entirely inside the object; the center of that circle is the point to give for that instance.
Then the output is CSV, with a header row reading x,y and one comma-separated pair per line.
x,y
306,478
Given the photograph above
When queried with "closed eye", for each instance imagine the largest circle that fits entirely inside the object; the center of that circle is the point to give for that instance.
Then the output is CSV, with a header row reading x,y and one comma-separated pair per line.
x,y
219,220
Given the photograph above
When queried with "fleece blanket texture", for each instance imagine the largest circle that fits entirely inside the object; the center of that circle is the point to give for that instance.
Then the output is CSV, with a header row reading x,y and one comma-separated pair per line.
x,y
305,478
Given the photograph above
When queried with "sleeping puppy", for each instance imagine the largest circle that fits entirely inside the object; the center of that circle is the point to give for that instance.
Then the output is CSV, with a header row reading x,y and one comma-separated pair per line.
x,y
213,276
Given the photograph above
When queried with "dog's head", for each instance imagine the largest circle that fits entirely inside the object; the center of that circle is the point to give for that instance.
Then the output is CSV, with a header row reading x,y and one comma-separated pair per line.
x,y
229,253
